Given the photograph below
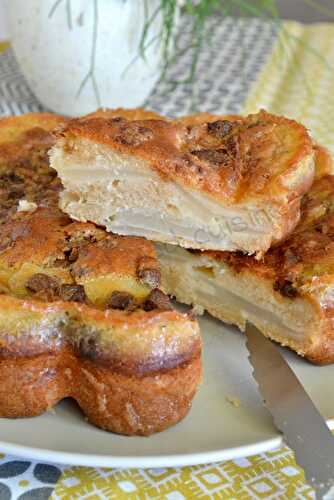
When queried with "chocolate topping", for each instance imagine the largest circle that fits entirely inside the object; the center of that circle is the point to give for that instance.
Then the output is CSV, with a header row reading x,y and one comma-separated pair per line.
x,y
40,282
121,300
157,300
220,128
74,293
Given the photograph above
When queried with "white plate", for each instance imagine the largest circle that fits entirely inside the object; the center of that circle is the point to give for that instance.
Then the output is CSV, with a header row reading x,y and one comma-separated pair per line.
x,y
214,429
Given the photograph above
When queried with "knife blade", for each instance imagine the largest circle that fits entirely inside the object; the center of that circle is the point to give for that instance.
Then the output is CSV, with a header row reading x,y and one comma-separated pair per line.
x,y
293,412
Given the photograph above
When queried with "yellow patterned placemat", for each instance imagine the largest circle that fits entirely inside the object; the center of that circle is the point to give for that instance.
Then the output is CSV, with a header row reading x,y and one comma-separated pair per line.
x,y
270,475
298,79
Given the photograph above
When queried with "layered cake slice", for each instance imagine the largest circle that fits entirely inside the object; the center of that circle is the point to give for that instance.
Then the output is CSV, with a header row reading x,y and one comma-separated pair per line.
x,y
229,184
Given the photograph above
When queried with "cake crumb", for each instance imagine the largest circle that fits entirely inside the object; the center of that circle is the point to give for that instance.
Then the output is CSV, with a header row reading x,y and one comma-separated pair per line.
x,y
26,206
233,400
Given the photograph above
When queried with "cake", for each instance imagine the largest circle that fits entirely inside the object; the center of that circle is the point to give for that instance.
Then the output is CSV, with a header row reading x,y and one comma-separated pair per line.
x,y
82,313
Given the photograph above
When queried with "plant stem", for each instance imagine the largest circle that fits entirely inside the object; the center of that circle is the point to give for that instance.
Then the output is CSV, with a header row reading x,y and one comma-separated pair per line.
x,y
91,72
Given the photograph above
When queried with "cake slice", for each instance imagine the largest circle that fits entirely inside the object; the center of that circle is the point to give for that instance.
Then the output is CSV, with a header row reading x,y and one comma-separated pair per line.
x,y
82,316
82,313
288,294
230,184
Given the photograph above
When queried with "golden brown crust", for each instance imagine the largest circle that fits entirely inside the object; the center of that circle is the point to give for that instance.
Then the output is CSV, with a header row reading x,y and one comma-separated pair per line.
x,y
130,114
75,299
24,164
47,237
257,157
25,129
322,352
22,137
116,254
113,401
324,163
203,117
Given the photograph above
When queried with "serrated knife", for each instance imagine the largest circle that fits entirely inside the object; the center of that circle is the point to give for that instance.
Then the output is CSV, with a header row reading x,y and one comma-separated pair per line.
x,y
293,412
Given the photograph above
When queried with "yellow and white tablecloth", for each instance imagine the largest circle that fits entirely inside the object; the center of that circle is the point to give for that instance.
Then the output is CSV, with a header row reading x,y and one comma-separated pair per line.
x,y
286,68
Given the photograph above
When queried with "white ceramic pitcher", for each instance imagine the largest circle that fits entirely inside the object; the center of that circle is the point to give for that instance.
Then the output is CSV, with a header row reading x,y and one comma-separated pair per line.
x,y
78,55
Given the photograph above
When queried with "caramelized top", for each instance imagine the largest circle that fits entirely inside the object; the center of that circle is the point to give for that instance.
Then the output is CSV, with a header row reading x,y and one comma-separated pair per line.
x,y
305,261
46,256
24,165
259,156
203,117
127,113
26,131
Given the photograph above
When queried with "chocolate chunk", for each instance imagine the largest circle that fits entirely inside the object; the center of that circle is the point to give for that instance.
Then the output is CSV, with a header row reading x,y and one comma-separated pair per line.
x,y
134,135
148,272
220,128
73,293
157,300
72,254
213,156
121,300
40,282
285,288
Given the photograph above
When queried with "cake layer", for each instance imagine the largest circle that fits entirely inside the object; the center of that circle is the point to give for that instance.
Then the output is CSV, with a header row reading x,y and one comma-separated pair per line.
x,y
229,184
